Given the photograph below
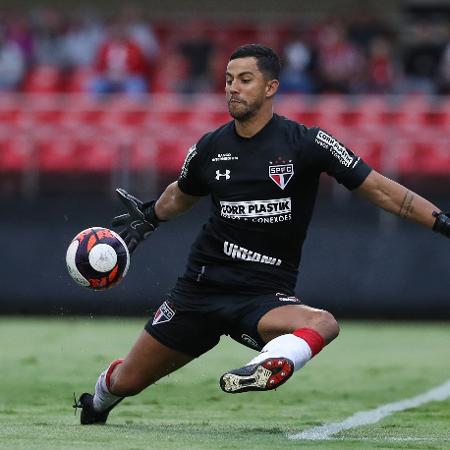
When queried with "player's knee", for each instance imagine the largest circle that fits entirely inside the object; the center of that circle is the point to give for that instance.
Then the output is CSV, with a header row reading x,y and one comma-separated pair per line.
x,y
327,325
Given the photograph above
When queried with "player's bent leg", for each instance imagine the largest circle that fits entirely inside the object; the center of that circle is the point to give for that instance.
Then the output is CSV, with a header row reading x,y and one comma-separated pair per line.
x,y
148,361
288,318
293,335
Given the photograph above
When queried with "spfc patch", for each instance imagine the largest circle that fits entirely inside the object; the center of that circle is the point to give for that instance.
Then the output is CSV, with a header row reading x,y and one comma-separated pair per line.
x,y
164,314
281,174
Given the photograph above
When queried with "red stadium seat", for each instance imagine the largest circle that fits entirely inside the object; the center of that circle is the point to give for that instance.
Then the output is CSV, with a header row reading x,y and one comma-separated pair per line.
x,y
426,153
142,154
58,155
407,114
179,116
370,111
93,115
171,153
16,154
43,79
47,115
438,115
99,154
330,109
368,147
12,114
15,116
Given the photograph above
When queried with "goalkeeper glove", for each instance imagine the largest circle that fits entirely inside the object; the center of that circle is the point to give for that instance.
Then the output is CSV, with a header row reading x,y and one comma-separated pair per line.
x,y
141,220
442,223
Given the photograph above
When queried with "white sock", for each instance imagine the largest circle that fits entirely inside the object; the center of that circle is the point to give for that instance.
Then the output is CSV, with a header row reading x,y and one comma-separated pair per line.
x,y
286,346
103,399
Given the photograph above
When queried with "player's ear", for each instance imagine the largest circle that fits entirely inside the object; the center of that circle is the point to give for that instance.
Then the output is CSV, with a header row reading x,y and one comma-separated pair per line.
x,y
272,88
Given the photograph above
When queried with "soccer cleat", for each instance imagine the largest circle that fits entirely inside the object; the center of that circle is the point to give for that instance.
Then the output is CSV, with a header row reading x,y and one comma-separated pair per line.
x,y
263,376
88,414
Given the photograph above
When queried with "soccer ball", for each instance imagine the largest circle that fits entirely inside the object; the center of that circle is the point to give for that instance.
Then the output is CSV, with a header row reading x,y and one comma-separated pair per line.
x,y
97,258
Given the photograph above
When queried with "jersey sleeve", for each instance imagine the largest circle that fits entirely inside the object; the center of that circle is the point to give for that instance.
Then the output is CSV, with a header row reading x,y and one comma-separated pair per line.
x,y
336,159
191,180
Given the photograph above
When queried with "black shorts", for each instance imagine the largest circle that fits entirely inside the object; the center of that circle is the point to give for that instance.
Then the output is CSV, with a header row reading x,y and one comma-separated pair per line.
x,y
193,316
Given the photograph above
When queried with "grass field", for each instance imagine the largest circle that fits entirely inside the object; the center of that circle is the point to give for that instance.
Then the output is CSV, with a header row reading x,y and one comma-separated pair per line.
x,y
43,361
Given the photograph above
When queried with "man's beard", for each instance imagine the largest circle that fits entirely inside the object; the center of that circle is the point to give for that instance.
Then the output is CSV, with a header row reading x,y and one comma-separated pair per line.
x,y
244,114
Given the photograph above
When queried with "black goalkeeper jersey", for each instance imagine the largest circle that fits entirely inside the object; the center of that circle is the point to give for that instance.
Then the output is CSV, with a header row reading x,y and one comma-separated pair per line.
x,y
263,191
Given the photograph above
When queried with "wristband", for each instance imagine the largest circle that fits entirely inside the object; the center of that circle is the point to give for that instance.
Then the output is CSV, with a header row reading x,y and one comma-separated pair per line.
x,y
148,209
442,223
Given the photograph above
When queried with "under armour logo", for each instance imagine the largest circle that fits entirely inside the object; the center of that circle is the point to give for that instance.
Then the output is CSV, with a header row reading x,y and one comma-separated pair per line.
x,y
135,224
226,174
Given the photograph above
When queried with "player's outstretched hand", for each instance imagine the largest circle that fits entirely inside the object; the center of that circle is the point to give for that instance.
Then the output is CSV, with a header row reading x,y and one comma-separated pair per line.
x,y
140,221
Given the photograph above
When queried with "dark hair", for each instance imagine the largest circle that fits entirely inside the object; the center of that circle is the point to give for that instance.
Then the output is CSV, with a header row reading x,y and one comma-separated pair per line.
x,y
267,60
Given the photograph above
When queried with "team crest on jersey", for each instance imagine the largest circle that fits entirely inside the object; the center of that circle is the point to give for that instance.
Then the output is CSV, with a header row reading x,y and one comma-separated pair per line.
x,y
164,314
281,174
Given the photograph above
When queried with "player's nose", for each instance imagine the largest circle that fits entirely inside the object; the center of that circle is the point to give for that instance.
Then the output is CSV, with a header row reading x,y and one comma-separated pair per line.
x,y
233,87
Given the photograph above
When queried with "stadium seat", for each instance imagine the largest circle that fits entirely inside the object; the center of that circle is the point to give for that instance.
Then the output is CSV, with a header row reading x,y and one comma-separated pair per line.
x,y
99,154
79,154
46,113
141,154
426,153
171,153
369,147
12,114
92,115
16,154
408,114
330,109
438,115
370,111
43,79
57,155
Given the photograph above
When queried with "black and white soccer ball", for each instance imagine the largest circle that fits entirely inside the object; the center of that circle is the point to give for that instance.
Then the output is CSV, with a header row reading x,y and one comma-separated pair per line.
x,y
97,258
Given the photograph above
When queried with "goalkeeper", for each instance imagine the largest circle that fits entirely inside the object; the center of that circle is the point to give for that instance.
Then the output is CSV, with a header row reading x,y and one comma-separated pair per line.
x,y
262,173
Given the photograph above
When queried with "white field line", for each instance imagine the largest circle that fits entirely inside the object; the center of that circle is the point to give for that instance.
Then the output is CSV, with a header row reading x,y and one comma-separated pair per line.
x,y
323,432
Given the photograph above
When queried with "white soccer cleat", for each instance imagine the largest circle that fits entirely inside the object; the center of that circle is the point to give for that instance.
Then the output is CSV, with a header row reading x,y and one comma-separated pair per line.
x,y
263,376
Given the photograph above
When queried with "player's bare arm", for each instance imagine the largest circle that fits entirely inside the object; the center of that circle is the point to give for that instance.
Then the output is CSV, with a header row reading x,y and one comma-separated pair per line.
x,y
397,199
173,201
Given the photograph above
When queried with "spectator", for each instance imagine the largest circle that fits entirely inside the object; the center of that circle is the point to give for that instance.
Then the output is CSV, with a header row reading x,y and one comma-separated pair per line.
x,y
140,31
19,31
296,76
12,64
121,65
363,27
340,62
82,41
49,39
421,58
197,51
380,66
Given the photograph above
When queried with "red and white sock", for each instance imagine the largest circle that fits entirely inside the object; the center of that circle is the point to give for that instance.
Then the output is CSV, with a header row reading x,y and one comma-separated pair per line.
x,y
103,398
299,347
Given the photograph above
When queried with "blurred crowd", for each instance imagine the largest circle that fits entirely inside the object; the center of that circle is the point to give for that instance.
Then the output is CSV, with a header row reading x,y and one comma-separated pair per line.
x,y
45,50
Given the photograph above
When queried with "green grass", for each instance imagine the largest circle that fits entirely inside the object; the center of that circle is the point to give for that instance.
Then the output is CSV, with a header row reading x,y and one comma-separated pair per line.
x,y
43,361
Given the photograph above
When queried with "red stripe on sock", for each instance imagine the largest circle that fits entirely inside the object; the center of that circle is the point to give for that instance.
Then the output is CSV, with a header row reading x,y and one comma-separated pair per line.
x,y
109,372
315,341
